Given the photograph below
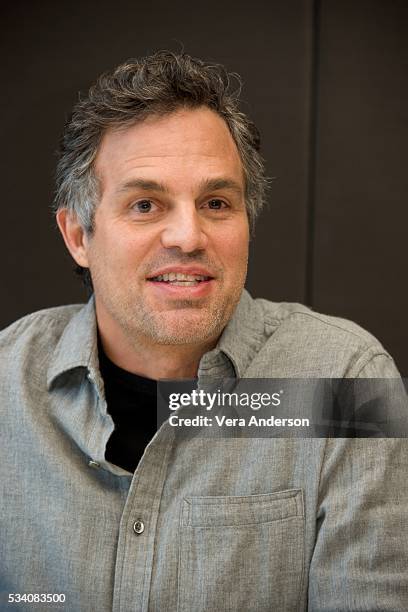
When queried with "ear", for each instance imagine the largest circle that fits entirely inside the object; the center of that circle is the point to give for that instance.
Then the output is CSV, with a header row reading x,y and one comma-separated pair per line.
x,y
74,236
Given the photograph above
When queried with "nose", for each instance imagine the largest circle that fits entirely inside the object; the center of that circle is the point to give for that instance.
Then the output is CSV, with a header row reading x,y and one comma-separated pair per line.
x,y
184,229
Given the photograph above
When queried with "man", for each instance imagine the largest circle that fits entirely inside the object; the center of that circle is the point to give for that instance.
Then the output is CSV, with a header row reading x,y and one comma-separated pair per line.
x,y
159,183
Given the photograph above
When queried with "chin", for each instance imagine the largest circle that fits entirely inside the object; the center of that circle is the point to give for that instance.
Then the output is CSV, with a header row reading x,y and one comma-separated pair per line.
x,y
186,328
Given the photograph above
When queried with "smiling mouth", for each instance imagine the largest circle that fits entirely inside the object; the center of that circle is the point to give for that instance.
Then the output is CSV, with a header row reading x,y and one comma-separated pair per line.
x,y
178,279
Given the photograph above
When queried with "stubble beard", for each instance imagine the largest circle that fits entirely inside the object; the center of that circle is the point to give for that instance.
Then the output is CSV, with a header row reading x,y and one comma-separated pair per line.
x,y
187,323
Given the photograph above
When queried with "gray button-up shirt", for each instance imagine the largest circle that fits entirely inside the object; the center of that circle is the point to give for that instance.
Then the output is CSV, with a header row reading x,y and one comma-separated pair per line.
x,y
203,525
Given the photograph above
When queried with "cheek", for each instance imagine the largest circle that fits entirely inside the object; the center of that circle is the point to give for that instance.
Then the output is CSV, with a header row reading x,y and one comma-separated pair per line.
x,y
119,252
235,249
237,239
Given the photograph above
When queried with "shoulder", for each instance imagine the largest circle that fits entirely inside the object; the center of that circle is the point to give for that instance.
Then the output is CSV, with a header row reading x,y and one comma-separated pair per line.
x,y
295,317
27,351
320,344
41,329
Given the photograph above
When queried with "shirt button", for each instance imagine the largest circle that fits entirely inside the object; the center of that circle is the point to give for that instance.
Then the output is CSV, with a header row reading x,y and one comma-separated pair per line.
x,y
94,464
138,527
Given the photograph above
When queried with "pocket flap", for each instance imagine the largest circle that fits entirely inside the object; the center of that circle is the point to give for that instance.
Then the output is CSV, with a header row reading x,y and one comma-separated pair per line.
x,y
225,511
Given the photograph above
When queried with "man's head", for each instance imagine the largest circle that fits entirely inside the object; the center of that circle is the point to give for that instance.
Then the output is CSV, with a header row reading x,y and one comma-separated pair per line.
x,y
161,173
155,85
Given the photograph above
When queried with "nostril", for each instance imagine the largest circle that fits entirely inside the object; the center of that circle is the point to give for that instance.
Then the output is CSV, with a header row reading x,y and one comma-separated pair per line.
x,y
187,240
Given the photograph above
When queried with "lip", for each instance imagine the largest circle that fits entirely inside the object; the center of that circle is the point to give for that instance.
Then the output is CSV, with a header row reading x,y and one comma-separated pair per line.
x,y
182,270
201,290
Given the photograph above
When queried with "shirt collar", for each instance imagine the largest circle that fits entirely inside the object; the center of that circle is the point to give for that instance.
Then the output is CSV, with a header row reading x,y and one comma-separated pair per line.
x,y
239,343
77,347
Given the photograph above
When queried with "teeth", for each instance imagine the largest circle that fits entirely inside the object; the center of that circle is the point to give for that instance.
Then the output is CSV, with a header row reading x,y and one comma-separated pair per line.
x,y
177,283
179,276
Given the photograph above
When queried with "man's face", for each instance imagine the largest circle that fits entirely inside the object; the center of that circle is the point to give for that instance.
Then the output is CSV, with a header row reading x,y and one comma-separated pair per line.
x,y
172,203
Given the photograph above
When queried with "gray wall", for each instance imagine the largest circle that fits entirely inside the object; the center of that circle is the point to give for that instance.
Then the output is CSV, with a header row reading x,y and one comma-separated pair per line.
x,y
326,82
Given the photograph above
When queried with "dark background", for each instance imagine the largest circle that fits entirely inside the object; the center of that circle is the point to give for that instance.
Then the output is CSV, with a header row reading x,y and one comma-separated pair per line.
x,y
326,83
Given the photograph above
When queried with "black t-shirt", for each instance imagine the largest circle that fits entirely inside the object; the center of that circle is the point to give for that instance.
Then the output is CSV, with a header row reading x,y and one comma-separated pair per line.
x,y
131,401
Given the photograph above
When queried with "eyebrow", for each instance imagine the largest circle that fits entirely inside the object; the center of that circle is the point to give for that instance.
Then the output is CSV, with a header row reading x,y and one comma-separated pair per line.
x,y
215,184
138,183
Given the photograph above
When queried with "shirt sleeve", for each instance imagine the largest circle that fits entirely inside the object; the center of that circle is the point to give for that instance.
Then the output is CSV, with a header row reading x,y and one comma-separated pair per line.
x,y
360,557
373,364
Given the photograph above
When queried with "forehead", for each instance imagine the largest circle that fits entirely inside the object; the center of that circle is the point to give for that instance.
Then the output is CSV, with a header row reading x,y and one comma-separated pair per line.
x,y
189,143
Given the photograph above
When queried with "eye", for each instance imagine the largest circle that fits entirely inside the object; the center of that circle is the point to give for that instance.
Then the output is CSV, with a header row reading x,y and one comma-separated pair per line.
x,y
216,204
143,206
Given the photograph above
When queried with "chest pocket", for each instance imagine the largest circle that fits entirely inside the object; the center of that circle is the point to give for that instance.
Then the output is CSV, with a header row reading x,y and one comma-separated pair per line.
x,y
241,554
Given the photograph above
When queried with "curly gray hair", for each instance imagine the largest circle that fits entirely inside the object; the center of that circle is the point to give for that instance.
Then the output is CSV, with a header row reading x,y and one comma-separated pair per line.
x,y
155,85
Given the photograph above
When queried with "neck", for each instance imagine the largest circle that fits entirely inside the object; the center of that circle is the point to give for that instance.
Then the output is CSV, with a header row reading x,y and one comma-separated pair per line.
x,y
156,361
